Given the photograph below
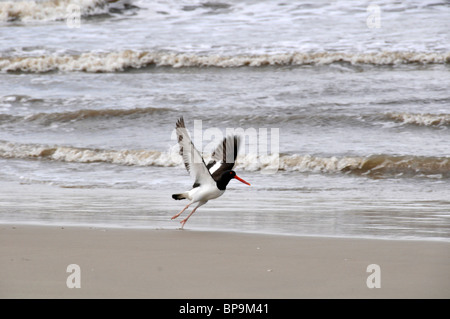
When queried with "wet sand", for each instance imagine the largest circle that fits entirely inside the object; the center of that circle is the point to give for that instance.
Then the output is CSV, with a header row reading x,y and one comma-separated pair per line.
x,y
138,263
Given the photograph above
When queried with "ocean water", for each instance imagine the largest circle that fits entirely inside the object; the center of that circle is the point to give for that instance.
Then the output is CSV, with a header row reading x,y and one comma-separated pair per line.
x,y
356,95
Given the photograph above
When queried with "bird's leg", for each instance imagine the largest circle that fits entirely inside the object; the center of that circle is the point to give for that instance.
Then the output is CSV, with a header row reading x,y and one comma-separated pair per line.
x,y
193,211
175,216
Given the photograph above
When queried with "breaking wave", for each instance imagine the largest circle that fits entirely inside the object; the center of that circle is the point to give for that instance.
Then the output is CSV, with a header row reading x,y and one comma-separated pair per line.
x,y
374,166
84,114
130,59
426,119
53,10
87,155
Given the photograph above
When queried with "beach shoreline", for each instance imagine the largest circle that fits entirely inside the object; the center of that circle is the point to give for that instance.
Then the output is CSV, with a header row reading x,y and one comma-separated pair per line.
x,y
141,263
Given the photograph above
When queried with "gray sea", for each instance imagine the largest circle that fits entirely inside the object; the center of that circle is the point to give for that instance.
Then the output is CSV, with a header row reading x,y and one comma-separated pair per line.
x,y
351,99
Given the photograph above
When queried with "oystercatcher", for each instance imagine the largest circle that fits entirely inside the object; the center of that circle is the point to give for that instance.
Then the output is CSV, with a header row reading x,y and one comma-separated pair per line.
x,y
210,180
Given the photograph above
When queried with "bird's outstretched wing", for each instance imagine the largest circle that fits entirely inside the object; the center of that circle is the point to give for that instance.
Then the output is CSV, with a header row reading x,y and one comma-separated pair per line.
x,y
224,156
192,158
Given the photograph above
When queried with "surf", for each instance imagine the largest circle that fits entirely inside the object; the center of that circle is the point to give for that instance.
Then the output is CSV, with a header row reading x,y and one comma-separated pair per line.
x,y
372,166
94,62
55,10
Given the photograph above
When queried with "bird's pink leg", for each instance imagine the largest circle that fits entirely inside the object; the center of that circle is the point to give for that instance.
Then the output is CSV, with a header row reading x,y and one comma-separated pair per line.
x,y
193,211
175,216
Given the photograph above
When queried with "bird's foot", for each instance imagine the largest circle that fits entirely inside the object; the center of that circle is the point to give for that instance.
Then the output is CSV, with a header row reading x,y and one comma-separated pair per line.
x,y
175,216
183,222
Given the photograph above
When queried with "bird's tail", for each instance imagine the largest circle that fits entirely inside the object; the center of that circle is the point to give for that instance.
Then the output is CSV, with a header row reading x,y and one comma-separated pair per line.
x,y
180,196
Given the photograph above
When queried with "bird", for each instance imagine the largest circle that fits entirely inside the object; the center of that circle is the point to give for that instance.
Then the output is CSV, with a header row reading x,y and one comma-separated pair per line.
x,y
210,181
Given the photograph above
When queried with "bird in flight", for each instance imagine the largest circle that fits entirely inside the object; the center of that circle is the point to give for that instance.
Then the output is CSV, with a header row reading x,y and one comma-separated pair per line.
x,y
210,180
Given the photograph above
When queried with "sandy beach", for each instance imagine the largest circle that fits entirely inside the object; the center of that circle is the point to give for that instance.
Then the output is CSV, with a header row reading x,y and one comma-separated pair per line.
x,y
138,263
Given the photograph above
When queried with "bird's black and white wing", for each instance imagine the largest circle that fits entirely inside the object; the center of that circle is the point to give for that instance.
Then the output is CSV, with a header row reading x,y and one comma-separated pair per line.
x,y
193,161
224,156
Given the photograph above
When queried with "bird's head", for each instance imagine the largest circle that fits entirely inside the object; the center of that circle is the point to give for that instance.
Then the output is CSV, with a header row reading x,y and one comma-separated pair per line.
x,y
226,177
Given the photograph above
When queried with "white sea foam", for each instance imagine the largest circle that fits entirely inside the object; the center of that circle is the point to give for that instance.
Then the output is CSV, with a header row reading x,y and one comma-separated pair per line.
x,y
49,10
424,119
119,61
87,155
374,166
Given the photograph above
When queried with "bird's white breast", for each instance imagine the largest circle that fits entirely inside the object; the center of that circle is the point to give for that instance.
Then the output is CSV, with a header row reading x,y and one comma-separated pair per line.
x,y
204,193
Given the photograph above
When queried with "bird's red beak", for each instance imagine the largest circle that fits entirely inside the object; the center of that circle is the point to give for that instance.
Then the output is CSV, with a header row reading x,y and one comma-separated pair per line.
x,y
241,180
